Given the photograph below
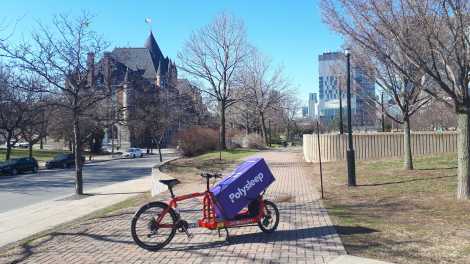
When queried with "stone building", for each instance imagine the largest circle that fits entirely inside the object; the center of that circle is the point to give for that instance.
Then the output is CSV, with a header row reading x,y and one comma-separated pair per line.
x,y
133,71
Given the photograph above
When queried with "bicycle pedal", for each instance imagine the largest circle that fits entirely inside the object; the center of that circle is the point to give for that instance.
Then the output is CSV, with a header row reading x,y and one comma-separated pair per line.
x,y
189,234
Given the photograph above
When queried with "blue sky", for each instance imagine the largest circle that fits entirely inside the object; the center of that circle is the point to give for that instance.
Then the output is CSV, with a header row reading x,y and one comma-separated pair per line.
x,y
290,32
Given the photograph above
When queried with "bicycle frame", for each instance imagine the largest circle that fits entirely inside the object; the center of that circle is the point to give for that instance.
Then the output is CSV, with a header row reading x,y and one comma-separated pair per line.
x,y
209,219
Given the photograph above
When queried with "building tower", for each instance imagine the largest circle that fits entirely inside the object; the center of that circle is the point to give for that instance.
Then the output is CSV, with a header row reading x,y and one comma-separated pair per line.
x,y
332,72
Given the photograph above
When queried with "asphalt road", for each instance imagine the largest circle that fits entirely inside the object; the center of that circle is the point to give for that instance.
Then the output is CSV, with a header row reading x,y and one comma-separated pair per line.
x,y
26,189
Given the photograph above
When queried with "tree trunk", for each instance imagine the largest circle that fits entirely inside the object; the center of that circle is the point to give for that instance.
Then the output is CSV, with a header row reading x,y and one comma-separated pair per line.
x,y
78,157
41,143
222,146
263,129
288,137
463,156
112,145
247,131
30,147
160,152
8,153
408,162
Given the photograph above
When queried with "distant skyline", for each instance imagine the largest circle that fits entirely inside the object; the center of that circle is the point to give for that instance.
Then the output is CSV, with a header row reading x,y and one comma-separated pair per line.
x,y
291,33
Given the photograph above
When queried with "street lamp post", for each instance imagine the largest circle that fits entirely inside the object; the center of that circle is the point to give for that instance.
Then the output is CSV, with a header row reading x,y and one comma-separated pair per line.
x,y
382,114
340,110
350,151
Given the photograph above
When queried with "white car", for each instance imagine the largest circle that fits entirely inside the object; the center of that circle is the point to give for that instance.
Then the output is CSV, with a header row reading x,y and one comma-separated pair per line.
x,y
23,145
133,153
12,145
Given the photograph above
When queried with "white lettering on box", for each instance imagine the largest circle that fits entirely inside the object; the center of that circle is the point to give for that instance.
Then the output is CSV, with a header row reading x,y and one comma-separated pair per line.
x,y
241,192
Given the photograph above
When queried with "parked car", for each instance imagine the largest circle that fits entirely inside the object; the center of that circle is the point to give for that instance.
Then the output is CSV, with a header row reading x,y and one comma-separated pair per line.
x,y
15,166
12,145
23,145
133,153
62,161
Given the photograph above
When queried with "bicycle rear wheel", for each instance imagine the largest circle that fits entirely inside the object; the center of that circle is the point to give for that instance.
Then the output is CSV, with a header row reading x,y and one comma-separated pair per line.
x,y
270,221
149,234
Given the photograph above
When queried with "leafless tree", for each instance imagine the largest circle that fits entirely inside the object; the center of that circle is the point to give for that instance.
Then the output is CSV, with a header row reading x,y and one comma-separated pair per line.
x,y
35,117
436,116
35,127
154,116
264,87
63,55
290,109
215,54
243,116
433,35
14,104
405,91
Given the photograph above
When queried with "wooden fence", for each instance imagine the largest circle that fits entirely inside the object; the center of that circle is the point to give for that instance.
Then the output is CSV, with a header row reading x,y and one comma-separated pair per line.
x,y
377,145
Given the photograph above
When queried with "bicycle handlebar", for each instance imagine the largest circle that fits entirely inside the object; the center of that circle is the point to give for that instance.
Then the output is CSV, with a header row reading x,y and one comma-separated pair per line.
x,y
211,175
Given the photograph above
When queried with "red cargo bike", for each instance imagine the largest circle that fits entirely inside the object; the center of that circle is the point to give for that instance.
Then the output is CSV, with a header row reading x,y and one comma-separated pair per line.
x,y
155,224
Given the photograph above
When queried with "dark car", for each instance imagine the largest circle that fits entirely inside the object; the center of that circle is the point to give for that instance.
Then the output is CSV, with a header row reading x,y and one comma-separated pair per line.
x,y
62,161
15,166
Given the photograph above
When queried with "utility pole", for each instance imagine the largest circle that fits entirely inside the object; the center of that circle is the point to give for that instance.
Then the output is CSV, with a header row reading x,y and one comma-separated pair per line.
x,y
350,151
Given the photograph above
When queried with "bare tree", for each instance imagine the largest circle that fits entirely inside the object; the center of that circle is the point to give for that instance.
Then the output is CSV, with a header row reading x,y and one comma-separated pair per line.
x,y
433,35
243,116
290,109
436,116
405,91
155,117
35,127
215,54
64,57
264,87
13,108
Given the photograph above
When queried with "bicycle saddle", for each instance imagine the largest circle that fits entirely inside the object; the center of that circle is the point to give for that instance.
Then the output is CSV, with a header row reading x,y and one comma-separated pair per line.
x,y
211,175
170,183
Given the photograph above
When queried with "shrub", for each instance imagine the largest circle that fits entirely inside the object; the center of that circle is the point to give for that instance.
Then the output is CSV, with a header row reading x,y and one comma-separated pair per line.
x,y
235,138
195,141
253,141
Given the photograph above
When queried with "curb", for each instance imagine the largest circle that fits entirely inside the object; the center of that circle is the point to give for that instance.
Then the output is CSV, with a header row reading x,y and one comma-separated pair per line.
x,y
348,259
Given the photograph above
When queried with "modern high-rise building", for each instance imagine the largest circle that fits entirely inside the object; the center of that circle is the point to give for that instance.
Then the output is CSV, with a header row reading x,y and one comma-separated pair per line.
x,y
332,82
304,111
312,105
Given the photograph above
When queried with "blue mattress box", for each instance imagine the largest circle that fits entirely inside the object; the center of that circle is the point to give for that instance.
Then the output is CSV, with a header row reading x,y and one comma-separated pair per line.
x,y
243,185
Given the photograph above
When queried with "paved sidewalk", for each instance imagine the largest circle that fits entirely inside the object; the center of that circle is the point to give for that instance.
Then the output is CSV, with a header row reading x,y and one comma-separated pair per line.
x,y
21,223
305,233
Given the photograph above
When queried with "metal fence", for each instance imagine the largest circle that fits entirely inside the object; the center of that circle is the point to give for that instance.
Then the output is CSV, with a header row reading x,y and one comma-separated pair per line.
x,y
377,145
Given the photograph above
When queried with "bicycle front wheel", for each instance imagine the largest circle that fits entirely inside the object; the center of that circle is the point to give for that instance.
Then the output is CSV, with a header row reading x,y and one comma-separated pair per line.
x,y
149,234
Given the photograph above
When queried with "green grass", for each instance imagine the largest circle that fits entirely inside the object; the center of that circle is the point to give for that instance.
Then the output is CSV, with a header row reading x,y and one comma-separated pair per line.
x,y
228,155
40,155
398,215
189,169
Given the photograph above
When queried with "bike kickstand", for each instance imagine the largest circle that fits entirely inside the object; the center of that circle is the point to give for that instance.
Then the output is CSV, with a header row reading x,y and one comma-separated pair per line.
x,y
227,238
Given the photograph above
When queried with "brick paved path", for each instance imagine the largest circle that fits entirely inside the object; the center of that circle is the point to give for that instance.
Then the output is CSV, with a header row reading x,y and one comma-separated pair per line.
x,y
304,235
